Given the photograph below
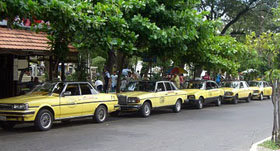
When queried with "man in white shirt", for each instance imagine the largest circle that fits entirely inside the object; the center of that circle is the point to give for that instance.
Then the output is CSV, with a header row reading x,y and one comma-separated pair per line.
x,y
114,78
98,85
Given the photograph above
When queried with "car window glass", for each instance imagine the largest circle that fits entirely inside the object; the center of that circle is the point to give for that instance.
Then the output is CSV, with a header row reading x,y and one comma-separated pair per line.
x,y
86,89
173,87
214,85
160,87
241,85
168,87
208,85
73,88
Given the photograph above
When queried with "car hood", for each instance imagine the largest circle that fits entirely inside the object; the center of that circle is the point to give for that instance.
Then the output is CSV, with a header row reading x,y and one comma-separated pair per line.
x,y
25,98
135,93
228,89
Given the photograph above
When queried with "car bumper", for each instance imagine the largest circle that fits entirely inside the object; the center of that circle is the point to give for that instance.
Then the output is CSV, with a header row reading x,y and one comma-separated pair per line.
x,y
255,94
228,98
131,107
17,116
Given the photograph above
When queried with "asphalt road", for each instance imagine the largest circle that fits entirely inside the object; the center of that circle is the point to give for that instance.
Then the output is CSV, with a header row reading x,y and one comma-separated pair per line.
x,y
226,128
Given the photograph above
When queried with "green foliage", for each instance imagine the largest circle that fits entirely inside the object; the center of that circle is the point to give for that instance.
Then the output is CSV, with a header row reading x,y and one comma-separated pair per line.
x,y
99,62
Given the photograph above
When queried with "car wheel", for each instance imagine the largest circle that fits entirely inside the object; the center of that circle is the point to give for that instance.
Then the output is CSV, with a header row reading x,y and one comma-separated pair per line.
x,y
7,125
219,101
261,97
177,107
235,99
145,110
248,99
269,97
115,114
199,104
100,114
44,120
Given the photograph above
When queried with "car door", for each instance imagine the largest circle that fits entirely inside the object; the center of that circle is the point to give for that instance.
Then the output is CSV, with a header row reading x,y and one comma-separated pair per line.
x,y
215,90
243,91
69,99
171,94
268,89
88,99
160,94
209,92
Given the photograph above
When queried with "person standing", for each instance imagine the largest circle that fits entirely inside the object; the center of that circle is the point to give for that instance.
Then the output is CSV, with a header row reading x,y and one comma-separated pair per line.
x,y
114,78
206,76
176,80
218,79
98,85
107,78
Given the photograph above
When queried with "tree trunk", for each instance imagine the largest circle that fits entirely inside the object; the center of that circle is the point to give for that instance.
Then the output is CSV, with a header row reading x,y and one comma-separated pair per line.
x,y
111,61
120,65
197,71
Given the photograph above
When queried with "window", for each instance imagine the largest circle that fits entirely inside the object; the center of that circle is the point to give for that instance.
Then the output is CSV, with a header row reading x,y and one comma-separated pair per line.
x,y
160,87
241,85
208,85
214,85
86,89
73,88
173,87
168,86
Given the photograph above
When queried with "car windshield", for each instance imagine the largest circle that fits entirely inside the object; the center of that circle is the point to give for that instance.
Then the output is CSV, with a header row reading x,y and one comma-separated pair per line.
x,y
140,86
254,84
195,85
231,84
48,88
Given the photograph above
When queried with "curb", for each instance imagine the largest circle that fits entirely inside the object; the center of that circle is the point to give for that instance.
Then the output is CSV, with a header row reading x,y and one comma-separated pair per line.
x,y
254,147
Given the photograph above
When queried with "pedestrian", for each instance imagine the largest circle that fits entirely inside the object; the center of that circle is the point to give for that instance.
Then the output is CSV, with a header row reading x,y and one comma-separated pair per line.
x,y
134,76
206,76
123,84
181,77
98,85
218,78
114,78
107,78
176,80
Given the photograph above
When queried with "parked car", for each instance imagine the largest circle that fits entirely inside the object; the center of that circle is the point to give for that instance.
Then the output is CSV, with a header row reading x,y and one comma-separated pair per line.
x,y
261,89
236,90
143,96
56,101
201,92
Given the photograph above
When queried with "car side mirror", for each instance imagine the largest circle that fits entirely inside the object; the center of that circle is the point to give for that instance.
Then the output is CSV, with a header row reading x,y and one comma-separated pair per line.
x,y
67,93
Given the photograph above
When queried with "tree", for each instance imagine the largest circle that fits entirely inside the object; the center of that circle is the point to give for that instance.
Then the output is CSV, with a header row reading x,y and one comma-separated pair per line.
x,y
239,16
267,45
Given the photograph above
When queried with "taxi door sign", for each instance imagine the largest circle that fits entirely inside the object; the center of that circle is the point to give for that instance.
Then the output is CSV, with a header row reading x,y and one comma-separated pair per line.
x,y
161,100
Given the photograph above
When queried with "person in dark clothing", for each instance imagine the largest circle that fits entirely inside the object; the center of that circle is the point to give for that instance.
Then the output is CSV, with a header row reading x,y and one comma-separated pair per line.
x,y
107,78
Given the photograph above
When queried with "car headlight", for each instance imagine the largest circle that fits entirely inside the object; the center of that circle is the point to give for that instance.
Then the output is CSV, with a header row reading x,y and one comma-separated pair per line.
x,y
133,100
20,106
256,91
191,97
228,93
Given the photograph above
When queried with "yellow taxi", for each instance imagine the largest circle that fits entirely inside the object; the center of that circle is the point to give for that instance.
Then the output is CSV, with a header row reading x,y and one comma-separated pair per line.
x,y
201,92
260,89
143,96
236,90
56,101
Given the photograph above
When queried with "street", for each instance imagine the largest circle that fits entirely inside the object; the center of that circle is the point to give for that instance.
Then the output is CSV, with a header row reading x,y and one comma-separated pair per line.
x,y
226,128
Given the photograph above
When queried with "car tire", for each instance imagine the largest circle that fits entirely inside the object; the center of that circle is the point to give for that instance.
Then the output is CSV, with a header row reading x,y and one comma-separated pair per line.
x,y
248,99
43,120
145,110
199,104
261,97
115,114
235,99
100,114
177,107
219,101
7,125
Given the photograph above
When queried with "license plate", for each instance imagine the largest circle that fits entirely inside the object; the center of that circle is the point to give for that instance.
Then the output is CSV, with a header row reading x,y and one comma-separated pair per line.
x,y
3,118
